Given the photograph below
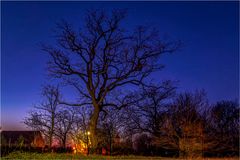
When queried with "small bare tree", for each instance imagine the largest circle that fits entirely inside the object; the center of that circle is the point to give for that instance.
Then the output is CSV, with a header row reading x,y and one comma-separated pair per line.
x,y
43,117
183,127
64,124
79,129
103,57
109,126
146,115
222,129
154,103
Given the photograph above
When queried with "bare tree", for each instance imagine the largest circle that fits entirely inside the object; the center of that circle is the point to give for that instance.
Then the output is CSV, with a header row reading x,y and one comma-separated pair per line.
x,y
43,117
183,127
79,129
64,124
109,126
222,128
103,57
151,108
147,114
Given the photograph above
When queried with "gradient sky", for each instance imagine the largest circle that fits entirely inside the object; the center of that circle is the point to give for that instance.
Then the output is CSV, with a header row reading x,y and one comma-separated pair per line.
x,y
209,59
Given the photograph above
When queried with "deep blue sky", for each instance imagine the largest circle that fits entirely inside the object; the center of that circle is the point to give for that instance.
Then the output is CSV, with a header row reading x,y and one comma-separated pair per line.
x,y
209,59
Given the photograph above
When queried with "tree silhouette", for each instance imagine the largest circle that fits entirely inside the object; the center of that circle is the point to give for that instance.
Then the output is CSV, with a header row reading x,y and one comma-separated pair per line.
x,y
65,119
43,117
183,127
146,115
222,128
103,57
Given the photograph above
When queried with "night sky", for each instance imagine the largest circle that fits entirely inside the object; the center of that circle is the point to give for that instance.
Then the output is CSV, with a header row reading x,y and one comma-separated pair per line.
x,y
208,60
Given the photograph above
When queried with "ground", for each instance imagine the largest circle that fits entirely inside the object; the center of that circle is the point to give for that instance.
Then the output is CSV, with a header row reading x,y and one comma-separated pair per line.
x,y
63,156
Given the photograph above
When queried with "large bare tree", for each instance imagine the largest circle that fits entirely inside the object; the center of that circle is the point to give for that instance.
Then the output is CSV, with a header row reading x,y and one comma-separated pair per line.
x,y
103,57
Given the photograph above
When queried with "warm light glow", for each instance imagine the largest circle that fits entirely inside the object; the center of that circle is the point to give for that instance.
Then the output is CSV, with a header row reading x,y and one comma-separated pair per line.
x,y
88,133
79,147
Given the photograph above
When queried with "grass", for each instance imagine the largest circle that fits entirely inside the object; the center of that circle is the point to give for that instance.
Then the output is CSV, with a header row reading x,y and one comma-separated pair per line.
x,y
67,156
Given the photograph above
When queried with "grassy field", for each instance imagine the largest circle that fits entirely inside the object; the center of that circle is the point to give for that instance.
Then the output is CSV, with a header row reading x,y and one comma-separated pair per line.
x,y
64,156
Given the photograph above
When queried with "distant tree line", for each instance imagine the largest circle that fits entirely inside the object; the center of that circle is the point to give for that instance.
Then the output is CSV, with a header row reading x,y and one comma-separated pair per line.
x,y
162,123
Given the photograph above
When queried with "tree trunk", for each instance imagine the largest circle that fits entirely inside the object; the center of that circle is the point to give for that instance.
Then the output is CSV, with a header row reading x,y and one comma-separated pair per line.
x,y
110,142
64,140
93,127
52,128
50,139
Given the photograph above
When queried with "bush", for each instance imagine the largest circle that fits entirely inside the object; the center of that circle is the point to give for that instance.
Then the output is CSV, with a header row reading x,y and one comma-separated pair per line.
x,y
5,150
